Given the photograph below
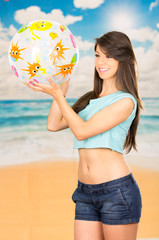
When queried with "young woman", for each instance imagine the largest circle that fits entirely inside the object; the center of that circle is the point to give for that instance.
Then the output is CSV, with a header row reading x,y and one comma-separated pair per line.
x,y
104,121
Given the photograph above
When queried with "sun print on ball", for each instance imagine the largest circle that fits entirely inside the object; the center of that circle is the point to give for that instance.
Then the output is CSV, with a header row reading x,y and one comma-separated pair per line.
x,y
32,69
15,52
57,52
65,70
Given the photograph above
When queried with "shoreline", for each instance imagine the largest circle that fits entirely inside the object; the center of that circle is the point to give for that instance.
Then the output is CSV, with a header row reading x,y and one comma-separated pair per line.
x,y
144,162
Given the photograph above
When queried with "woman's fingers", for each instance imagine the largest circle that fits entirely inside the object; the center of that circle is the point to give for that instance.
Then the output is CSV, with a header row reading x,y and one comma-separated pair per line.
x,y
41,85
55,87
53,84
51,89
49,79
33,87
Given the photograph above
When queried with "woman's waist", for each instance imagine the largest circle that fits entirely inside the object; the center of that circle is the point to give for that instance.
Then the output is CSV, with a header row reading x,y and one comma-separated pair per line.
x,y
101,166
97,175
89,154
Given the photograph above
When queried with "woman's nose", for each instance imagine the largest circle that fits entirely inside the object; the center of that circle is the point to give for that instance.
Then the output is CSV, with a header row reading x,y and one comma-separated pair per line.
x,y
102,60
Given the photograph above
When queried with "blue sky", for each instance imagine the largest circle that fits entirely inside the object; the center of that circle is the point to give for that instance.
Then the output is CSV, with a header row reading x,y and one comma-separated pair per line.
x,y
88,19
95,21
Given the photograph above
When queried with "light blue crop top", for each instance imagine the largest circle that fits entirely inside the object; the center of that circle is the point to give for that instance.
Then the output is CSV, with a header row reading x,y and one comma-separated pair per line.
x,y
115,137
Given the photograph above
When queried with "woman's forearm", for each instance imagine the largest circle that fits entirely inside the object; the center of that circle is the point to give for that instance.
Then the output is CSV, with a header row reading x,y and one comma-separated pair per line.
x,y
54,117
75,123
61,115
55,120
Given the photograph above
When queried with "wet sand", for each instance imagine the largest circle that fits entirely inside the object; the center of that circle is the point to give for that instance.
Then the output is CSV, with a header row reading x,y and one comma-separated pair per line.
x,y
36,204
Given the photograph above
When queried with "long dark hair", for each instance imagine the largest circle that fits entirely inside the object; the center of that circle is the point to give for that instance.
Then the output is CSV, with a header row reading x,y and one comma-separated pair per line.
x,y
118,46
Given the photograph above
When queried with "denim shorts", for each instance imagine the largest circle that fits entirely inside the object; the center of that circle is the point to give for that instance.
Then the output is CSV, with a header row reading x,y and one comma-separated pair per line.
x,y
114,202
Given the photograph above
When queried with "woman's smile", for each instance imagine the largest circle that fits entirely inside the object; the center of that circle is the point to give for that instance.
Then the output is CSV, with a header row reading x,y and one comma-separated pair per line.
x,y
103,70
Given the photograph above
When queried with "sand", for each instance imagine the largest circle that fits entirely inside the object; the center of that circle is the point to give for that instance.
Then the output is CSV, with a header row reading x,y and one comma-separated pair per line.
x,y
36,204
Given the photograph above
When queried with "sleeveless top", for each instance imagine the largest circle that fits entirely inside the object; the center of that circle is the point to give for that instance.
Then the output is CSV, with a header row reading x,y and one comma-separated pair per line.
x,y
115,137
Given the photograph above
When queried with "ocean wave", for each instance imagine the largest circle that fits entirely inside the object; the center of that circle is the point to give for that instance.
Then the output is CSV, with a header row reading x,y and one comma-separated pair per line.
x,y
155,117
26,119
21,120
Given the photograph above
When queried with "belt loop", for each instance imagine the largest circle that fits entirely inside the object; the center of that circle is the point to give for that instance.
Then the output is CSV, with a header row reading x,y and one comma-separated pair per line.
x,y
104,189
132,177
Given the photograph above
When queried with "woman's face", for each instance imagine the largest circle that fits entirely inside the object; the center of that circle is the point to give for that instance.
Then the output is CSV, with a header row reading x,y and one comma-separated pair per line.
x,y
105,65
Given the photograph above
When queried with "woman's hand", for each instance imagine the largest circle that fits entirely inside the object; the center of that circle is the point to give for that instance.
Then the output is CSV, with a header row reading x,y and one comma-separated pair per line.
x,y
64,86
52,89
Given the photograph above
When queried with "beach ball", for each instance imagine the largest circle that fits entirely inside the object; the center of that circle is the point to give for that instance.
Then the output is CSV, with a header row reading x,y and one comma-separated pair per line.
x,y
42,49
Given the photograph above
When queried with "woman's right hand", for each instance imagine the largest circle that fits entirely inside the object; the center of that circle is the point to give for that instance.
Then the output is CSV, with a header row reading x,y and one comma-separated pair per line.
x,y
47,88
64,86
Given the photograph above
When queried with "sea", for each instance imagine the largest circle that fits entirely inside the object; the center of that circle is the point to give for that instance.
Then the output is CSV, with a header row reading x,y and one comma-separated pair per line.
x,y
24,136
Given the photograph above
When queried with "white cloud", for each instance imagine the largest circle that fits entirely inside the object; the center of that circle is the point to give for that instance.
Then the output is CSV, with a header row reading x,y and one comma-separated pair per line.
x,y
12,30
153,4
5,34
82,79
32,13
142,34
84,45
2,29
157,25
4,46
148,71
145,34
155,45
87,3
147,61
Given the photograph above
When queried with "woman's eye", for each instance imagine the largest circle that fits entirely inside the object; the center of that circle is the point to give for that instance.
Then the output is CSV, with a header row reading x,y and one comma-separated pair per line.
x,y
96,55
108,56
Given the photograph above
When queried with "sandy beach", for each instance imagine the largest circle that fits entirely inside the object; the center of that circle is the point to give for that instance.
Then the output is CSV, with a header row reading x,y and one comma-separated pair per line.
x,y
36,204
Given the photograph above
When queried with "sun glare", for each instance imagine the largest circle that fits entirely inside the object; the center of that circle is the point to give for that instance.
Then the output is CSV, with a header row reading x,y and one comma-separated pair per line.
x,y
122,21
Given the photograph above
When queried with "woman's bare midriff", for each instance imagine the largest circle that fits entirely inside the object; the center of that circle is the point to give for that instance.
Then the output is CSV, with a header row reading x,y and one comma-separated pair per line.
x,y
98,165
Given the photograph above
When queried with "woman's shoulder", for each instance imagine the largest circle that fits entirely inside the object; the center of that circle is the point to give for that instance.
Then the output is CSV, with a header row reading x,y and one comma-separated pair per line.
x,y
127,94
131,96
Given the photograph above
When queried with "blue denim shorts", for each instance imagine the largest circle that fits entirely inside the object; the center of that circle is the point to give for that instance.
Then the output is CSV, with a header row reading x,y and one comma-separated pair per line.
x,y
114,202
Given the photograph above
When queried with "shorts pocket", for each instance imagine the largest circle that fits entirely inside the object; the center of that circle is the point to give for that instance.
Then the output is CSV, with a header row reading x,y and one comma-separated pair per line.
x,y
113,202
123,197
132,197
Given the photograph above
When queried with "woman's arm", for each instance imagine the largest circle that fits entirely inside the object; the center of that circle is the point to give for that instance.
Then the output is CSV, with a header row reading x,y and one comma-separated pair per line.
x,y
71,118
100,122
56,121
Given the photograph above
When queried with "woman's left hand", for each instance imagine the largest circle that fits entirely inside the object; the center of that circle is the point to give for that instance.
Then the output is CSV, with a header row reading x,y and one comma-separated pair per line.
x,y
52,89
